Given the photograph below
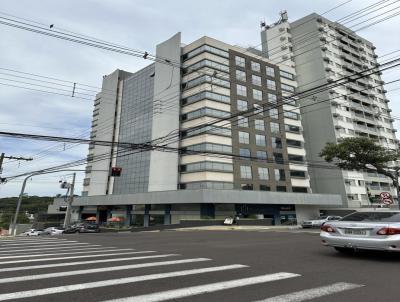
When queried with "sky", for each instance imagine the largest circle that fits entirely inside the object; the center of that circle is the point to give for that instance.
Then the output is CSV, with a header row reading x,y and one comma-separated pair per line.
x,y
134,24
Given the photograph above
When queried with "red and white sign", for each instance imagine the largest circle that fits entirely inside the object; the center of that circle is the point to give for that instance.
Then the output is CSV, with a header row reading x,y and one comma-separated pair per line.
x,y
386,198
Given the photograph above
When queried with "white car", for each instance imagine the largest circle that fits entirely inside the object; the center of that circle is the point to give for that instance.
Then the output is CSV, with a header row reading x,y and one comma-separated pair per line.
x,y
34,232
318,222
54,231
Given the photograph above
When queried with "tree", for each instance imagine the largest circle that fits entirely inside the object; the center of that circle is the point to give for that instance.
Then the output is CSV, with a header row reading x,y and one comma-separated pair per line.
x,y
364,154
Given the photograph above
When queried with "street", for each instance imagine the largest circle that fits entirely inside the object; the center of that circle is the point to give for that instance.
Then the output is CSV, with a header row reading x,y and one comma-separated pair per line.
x,y
192,266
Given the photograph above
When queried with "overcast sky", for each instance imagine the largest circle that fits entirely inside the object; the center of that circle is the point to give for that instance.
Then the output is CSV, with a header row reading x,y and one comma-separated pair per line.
x,y
135,24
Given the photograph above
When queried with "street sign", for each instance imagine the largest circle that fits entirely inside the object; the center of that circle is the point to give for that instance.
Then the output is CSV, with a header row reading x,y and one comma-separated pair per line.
x,y
386,198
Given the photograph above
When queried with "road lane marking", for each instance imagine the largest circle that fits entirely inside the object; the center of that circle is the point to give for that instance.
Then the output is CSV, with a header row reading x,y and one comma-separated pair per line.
x,y
111,282
21,268
29,245
313,293
69,252
99,270
49,248
205,288
31,239
73,257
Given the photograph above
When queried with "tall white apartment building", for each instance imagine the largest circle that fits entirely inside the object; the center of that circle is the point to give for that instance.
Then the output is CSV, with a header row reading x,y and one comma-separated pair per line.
x,y
322,51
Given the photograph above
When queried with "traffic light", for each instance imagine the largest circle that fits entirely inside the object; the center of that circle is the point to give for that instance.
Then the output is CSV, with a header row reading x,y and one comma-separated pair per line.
x,y
115,171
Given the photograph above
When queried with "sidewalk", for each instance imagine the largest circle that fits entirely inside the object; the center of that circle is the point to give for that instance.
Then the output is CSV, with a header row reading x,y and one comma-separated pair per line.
x,y
237,228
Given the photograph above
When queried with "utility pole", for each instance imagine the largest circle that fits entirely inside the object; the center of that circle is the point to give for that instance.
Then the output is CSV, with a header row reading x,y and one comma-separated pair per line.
x,y
3,156
70,200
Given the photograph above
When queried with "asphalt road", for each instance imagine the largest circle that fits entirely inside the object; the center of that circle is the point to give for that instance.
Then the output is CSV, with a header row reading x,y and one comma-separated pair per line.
x,y
192,266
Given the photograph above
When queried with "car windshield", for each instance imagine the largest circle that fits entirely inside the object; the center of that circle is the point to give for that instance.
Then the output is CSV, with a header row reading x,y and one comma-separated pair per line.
x,y
373,216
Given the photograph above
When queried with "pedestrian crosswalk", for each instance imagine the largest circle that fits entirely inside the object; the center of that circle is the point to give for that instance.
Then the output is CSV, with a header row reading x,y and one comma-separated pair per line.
x,y
50,269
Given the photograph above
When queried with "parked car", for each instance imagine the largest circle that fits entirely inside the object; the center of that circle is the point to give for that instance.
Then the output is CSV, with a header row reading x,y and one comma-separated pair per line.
x,y
89,228
83,228
318,222
34,232
54,231
73,228
364,230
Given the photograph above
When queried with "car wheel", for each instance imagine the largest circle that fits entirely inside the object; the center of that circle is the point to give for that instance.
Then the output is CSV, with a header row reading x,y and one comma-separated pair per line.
x,y
344,250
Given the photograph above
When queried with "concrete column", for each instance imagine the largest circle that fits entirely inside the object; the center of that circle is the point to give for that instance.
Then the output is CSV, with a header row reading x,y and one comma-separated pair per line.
x,y
146,218
167,216
128,215
277,216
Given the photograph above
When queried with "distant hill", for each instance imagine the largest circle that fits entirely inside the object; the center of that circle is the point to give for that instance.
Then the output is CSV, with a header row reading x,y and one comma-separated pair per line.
x,y
32,204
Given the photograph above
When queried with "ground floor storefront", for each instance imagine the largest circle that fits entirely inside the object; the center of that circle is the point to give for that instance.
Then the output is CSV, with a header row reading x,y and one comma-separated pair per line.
x,y
172,207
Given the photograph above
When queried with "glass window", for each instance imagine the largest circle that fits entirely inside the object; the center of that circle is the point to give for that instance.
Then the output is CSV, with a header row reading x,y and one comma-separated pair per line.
x,y
263,173
241,90
271,84
299,189
240,61
255,66
286,75
373,216
244,137
274,128
247,187
280,188
272,98
243,121
240,75
273,113
278,158
276,142
245,172
295,158
279,174
290,128
256,80
292,115
299,174
261,155
265,188
260,140
293,143
257,94
259,125
270,71
244,153
258,109
241,105
287,88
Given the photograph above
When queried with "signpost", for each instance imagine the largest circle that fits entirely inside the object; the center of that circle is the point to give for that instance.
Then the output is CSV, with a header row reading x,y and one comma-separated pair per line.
x,y
386,198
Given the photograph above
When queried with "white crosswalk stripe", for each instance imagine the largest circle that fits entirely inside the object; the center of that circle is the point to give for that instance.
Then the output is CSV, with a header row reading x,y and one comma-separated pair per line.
x,y
205,288
49,248
31,239
31,267
86,251
74,257
99,270
29,245
313,293
112,282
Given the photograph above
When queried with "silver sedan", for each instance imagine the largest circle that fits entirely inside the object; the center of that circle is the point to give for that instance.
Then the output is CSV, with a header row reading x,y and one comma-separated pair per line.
x,y
366,230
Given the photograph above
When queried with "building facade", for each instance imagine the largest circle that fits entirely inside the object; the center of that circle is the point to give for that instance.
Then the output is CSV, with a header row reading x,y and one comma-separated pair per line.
x,y
228,120
322,52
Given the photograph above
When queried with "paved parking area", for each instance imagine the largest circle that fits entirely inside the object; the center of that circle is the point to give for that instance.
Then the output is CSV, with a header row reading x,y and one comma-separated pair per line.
x,y
192,266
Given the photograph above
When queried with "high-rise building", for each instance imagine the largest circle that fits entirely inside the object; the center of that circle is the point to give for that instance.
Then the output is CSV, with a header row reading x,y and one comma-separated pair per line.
x,y
232,139
322,51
